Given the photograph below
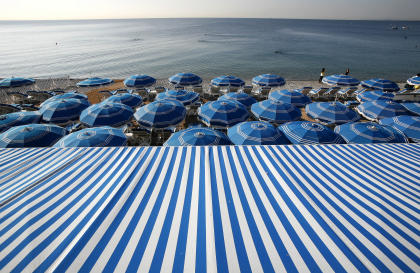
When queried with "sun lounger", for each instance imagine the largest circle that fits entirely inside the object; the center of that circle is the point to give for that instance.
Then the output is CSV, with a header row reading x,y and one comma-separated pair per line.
x,y
160,89
247,89
331,93
318,92
347,92
198,89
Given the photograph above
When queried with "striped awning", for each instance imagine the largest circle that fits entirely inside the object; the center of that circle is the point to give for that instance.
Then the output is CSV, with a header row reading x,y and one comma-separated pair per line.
x,y
207,209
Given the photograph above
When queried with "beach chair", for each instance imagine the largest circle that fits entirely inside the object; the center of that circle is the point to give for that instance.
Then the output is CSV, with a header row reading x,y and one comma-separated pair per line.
x,y
198,89
152,95
18,97
318,92
142,92
346,93
160,89
247,89
262,92
8,108
305,90
331,93
213,92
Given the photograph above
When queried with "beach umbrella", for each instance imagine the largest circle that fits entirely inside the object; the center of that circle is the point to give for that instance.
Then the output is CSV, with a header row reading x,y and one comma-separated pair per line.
x,y
68,95
31,135
183,96
270,80
16,82
275,111
185,79
106,114
409,125
413,107
94,82
94,137
256,133
340,80
227,81
415,80
374,95
139,81
369,132
18,118
161,114
287,96
306,132
128,99
223,113
197,136
331,112
241,97
379,109
381,84
63,111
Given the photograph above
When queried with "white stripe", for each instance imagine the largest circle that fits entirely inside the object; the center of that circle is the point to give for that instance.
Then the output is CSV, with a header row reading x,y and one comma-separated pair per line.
x,y
211,261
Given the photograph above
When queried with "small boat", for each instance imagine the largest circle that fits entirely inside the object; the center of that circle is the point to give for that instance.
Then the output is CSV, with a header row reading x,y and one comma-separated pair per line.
x,y
404,28
394,28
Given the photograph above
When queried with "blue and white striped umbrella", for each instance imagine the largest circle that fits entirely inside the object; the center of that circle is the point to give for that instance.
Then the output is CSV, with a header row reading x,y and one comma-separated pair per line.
x,y
241,97
369,132
409,125
185,79
415,80
106,114
227,81
379,109
306,132
340,80
198,136
68,95
18,118
223,113
413,107
331,112
94,82
374,95
288,96
183,96
381,84
16,82
161,114
139,81
63,111
275,111
31,135
128,99
94,137
256,133
270,80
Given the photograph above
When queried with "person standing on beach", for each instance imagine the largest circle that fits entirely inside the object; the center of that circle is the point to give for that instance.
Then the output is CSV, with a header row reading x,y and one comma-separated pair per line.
x,y
322,75
347,71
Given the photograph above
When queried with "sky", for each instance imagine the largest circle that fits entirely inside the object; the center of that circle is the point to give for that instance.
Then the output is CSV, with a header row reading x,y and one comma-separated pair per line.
x,y
115,9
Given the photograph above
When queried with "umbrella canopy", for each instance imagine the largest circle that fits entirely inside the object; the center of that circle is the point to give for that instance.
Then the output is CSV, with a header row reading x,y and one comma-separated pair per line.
x,y
94,82
16,82
94,137
227,81
69,95
185,79
241,97
139,81
18,118
198,136
409,125
275,111
413,107
223,113
306,132
256,133
415,80
374,95
31,135
381,84
369,132
379,109
106,114
128,99
270,80
331,112
63,111
287,96
161,114
183,96
340,80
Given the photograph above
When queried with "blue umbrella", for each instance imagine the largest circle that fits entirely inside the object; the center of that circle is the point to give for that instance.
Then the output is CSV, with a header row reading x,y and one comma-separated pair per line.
x,y
409,125
413,107
341,80
198,136
294,97
94,82
69,95
139,81
268,80
256,133
331,112
379,109
415,80
223,113
128,99
227,81
185,79
183,96
62,111
369,132
18,118
106,114
241,97
94,137
381,84
374,95
161,114
305,132
16,82
275,111
31,135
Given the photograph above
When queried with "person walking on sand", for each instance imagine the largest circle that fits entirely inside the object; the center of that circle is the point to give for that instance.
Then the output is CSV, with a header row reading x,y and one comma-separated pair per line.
x,y
347,71
322,75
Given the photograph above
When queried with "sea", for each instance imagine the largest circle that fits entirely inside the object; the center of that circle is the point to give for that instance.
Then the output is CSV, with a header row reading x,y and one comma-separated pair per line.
x,y
295,49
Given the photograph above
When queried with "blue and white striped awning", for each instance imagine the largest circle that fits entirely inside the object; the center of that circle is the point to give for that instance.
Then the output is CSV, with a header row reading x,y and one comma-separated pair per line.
x,y
206,209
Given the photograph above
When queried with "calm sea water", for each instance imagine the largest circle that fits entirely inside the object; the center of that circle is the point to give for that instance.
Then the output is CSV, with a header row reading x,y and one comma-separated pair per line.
x,y
295,49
